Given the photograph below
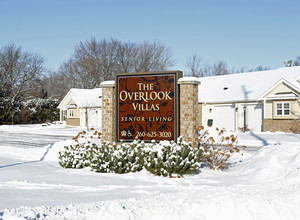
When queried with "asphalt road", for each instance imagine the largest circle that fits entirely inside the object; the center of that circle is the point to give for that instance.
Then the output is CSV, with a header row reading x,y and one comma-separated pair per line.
x,y
25,140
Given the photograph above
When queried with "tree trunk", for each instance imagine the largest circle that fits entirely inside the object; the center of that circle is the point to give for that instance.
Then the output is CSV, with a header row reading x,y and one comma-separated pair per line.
x,y
86,119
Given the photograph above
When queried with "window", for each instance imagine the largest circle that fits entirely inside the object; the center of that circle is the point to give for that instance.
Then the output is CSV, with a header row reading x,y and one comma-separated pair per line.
x,y
283,108
71,112
64,115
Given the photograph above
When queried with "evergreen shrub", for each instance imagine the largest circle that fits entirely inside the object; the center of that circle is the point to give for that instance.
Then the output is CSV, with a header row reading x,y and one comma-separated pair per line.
x,y
79,154
76,156
89,151
167,158
116,158
162,159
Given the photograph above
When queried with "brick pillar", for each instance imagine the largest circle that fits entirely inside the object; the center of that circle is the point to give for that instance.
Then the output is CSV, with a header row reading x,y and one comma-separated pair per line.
x,y
189,109
108,111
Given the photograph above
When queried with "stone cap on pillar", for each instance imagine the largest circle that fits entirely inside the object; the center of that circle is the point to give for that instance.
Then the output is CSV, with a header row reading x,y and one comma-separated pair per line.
x,y
188,81
108,84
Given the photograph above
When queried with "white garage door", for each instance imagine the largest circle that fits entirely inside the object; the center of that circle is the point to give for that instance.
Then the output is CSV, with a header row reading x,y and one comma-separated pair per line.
x,y
224,117
94,117
254,117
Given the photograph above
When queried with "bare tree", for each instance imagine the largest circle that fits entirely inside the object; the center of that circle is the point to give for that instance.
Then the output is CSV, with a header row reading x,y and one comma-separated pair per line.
x,y
239,70
259,68
194,65
245,70
199,69
91,63
220,68
89,110
297,61
152,57
57,85
126,56
18,73
96,61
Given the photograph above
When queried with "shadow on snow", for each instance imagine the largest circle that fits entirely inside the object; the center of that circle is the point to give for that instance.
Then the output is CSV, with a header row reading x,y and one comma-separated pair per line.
x,y
28,162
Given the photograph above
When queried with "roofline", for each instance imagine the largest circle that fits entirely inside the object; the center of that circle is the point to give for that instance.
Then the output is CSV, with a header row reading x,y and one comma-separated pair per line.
x,y
65,98
59,106
97,106
231,101
282,80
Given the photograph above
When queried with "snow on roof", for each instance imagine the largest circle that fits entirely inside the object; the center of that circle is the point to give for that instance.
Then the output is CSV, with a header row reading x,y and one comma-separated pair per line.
x,y
244,86
87,97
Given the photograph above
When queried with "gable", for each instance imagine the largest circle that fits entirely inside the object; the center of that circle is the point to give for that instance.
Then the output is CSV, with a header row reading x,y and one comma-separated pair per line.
x,y
282,89
63,104
88,97
71,102
82,98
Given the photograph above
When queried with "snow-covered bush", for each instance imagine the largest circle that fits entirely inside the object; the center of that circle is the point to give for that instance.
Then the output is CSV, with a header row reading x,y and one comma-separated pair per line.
x,y
163,159
39,110
104,157
8,110
79,154
116,158
218,146
167,158
76,156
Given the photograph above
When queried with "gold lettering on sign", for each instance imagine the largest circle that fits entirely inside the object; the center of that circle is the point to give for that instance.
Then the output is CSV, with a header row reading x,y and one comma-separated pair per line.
x,y
147,94
147,106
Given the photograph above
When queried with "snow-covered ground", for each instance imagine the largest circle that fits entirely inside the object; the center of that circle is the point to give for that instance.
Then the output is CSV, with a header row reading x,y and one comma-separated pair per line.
x,y
262,184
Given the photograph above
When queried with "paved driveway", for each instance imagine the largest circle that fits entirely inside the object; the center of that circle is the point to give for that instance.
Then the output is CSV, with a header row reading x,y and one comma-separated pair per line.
x,y
25,140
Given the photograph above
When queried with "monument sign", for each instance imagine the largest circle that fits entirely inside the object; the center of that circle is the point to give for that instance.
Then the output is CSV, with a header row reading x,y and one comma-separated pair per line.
x,y
147,106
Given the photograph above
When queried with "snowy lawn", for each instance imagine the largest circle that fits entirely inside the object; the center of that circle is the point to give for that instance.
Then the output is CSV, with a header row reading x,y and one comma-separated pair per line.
x,y
262,184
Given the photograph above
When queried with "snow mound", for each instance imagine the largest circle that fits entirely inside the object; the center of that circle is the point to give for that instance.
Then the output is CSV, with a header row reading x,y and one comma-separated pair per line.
x,y
270,163
198,204
265,185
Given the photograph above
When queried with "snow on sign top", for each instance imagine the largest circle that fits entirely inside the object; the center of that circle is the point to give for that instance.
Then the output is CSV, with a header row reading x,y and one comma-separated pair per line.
x,y
244,86
87,97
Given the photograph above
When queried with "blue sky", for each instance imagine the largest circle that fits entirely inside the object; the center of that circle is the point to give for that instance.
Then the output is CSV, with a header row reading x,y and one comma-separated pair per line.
x,y
242,33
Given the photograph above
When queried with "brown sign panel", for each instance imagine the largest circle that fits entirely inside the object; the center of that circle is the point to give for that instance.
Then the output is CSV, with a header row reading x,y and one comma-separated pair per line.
x,y
147,106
